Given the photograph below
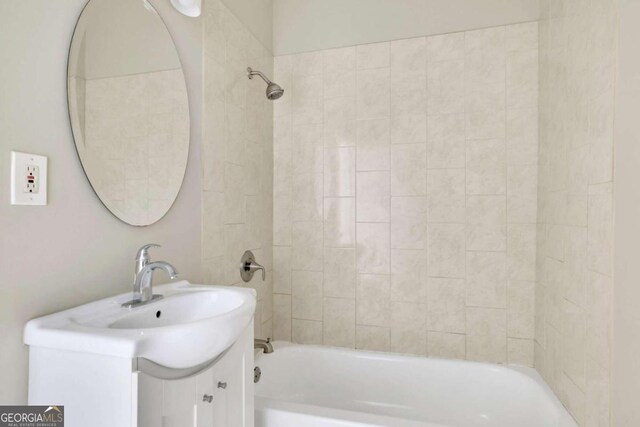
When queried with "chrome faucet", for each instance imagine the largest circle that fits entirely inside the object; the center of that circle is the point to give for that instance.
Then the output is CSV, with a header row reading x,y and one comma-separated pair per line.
x,y
264,345
142,283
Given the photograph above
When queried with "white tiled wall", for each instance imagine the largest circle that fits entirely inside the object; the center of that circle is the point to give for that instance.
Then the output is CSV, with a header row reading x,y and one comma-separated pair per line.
x,y
575,232
237,154
405,185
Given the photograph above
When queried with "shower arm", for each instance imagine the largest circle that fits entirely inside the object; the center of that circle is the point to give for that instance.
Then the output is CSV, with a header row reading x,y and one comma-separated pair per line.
x,y
251,73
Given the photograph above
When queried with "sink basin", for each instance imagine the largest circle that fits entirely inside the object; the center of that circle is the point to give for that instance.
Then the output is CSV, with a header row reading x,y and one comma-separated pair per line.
x,y
191,325
174,309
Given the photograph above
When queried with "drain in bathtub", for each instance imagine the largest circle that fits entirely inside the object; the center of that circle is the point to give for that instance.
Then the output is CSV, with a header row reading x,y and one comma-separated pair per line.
x,y
257,373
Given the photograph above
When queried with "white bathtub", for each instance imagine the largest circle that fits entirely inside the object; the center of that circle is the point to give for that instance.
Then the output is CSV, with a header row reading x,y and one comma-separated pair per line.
x,y
325,387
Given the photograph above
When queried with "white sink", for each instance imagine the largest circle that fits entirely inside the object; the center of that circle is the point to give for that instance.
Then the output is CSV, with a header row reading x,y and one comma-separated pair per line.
x,y
191,325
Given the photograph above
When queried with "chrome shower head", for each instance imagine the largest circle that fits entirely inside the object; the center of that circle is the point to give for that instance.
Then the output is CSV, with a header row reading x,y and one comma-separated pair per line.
x,y
274,91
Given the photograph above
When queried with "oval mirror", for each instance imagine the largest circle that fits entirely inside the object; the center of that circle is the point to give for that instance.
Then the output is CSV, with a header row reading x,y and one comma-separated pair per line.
x,y
129,109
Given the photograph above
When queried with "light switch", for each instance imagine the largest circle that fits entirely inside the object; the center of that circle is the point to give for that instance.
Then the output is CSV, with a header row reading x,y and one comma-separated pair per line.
x,y
28,179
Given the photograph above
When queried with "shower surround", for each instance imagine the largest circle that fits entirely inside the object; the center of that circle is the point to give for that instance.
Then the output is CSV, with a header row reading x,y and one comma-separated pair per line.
x,y
237,195
405,195
575,211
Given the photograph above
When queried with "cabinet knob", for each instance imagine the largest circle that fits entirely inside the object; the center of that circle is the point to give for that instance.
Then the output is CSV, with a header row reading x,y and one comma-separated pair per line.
x,y
222,385
207,398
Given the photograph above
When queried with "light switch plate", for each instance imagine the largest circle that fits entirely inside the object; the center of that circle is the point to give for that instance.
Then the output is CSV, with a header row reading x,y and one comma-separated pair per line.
x,y
28,179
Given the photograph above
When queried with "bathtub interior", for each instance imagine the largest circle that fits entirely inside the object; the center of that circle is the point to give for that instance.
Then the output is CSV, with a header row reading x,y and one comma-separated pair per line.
x,y
434,391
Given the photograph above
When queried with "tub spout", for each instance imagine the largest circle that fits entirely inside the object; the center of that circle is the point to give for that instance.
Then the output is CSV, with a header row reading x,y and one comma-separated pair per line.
x,y
264,345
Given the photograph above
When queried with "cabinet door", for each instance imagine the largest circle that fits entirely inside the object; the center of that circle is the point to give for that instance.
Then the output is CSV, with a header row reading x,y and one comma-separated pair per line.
x,y
205,399
179,403
221,415
223,385
149,400
222,396
229,379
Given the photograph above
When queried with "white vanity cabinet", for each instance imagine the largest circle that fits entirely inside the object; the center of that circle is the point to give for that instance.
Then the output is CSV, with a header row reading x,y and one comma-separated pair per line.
x,y
184,360
102,391
220,396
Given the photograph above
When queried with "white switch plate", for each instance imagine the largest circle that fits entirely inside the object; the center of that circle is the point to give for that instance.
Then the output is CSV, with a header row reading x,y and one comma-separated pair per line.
x,y
28,179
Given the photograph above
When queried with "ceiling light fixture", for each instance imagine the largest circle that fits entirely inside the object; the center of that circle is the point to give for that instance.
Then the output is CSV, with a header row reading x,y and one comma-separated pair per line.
x,y
190,8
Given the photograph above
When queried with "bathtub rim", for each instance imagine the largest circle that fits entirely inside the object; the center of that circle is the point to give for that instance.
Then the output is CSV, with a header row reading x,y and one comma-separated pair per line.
x,y
529,373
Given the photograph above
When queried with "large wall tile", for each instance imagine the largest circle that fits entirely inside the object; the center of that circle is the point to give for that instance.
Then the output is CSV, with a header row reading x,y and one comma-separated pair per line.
x,y
373,197
408,170
446,305
446,345
446,195
373,338
409,222
372,152
282,317
486,279
307,197
339,326
373,248
408,326
282,269
339,273
372,300
408,275
306,233
521,308
339,122
340,172
446,250
408,55
306,295
486,167
340,222
373,94
486,228
375,55
486,334
307,149
445,87
306,99
446,47
306,332
445,141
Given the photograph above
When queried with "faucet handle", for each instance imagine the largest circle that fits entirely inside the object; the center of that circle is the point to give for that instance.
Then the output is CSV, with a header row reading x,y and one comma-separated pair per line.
x,y
254,266
143,252
142,258
248,266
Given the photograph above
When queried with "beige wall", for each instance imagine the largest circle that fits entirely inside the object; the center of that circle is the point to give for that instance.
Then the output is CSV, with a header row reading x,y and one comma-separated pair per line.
x,y
73,250
394,229
237,157
626,319
256,16
125,38
575,205
309,25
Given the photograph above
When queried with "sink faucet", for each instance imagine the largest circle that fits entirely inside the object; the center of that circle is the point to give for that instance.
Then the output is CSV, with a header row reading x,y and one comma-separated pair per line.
x,y
264,345
142,286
